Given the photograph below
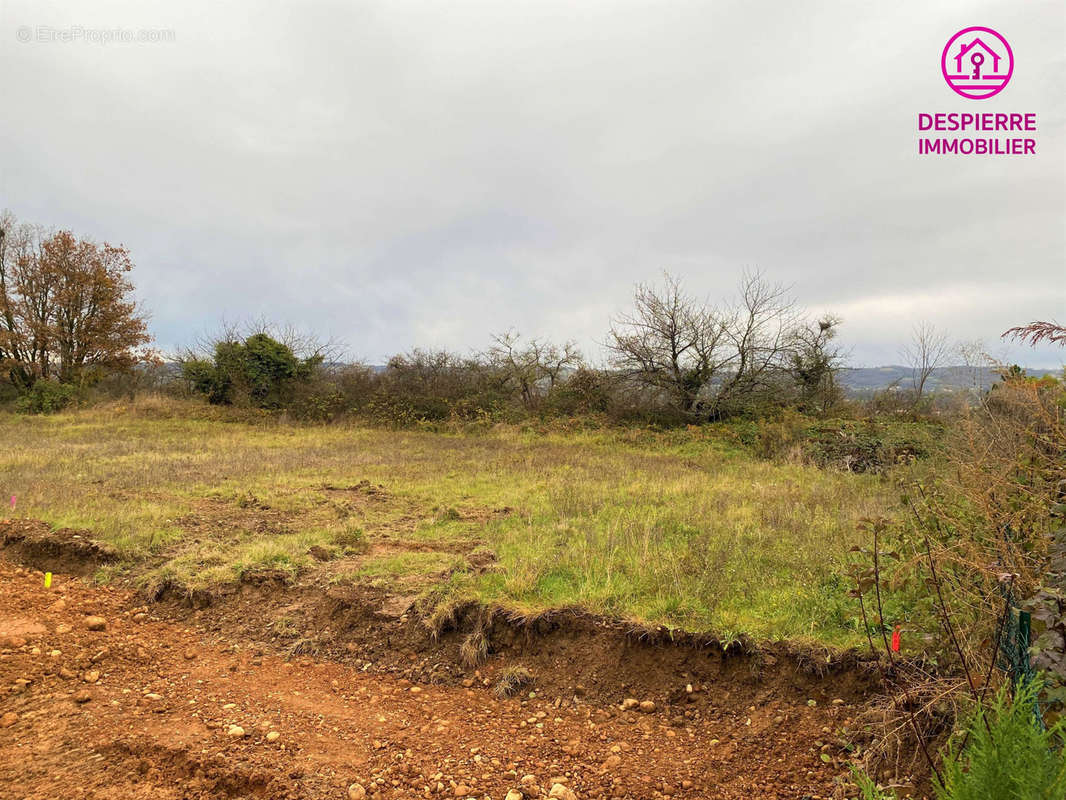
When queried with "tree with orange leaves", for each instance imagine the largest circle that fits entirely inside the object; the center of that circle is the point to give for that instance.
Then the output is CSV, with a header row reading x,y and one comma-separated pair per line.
x,y
65,307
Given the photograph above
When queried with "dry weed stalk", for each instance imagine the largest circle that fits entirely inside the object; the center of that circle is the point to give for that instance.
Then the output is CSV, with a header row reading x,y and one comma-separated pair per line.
x,y
979,535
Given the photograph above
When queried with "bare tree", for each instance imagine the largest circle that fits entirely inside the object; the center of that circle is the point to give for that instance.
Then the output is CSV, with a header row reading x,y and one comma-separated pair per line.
x,y
974,358
672,343
927,350
531,368
705,360
554,361
762,334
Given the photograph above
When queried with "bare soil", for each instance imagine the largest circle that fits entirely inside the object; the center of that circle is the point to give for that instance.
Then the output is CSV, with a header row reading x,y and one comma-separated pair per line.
x,y
64,550
359,690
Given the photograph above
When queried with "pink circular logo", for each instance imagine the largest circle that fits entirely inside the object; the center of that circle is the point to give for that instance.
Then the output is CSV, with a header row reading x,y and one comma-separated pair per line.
x,y
977,63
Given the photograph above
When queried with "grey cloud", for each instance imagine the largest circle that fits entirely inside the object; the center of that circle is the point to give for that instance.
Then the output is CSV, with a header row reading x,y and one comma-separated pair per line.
x,y
400,173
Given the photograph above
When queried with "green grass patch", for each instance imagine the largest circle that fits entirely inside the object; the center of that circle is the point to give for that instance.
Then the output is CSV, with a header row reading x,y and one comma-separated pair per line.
x,y
686,528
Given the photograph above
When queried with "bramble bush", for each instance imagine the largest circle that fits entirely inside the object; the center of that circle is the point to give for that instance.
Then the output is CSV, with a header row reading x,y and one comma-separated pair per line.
x,y
258,371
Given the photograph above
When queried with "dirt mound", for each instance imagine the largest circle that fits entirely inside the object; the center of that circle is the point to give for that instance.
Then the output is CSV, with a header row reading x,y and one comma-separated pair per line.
x,y
65,550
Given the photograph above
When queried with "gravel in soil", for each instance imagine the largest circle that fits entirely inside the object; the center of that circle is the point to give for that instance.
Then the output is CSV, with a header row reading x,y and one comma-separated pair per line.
x,y
104,697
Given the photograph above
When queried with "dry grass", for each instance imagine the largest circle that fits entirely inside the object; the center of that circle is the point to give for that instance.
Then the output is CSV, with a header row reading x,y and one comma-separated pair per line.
x,y
474,650
513,681
680,528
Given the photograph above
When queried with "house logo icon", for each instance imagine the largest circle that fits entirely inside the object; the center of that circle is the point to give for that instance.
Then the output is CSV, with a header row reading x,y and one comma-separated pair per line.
x,y
977,63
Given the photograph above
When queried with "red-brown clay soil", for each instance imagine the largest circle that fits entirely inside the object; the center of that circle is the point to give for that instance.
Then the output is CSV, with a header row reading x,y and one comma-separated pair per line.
x,y
149,707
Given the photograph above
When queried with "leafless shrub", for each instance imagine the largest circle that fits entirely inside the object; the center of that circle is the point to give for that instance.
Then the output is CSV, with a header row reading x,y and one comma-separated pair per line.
x,y
709,361
532,369
926,351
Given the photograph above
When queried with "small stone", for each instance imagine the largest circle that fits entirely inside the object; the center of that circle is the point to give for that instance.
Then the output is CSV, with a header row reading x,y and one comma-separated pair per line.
x,y
356,791
153,696
229,706
9,719
190,654
647,706
462,790
92,676
629,703
514,794
61,629
235,730
95,623
273,736
83,696
838,702
560,792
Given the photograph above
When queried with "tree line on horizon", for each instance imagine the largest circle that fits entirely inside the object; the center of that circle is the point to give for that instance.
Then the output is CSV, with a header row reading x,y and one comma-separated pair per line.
x,y
68,323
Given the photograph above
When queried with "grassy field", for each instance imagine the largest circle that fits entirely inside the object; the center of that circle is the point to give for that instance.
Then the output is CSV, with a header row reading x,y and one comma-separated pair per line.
x,y
683,528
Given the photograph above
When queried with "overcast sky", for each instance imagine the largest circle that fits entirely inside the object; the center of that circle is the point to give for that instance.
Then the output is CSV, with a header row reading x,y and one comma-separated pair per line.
x,y
400,174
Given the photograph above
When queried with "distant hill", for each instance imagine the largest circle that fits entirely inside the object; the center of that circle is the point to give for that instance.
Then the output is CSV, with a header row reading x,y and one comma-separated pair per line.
x,y
866,379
